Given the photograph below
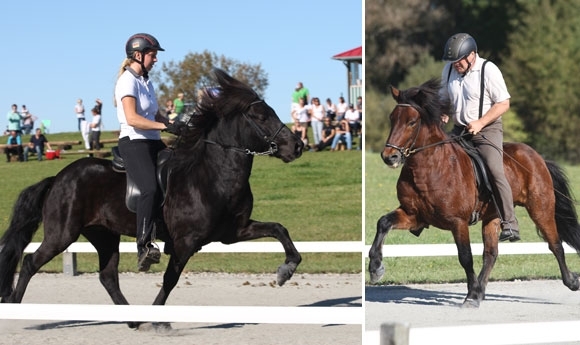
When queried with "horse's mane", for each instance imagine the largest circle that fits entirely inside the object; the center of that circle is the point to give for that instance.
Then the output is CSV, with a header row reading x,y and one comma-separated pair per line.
x,y
426,100
227,99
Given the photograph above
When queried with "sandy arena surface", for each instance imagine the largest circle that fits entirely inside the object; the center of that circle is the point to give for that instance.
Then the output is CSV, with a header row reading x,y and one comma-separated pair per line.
x,y
434,305
198,289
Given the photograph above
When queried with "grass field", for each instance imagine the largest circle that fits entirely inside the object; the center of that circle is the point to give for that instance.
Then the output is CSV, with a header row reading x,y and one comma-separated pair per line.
x,y
317,197
381,198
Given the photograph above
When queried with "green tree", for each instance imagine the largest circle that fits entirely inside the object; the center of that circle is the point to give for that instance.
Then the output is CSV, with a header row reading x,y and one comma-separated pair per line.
x,y
542,74
193,73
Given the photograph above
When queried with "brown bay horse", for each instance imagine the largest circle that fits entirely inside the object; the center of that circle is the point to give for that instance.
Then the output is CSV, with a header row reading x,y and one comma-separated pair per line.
x,y
437,186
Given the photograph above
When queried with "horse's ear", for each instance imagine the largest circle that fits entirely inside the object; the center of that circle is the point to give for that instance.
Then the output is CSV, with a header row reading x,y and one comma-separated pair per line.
x,y
395,92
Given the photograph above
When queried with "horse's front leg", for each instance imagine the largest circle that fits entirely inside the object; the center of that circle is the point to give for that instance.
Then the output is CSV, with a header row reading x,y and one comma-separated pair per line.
x,y
490,252
398,219
474,292
255,230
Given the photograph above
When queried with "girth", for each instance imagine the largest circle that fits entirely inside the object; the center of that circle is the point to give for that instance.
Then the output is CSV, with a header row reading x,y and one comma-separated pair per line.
x,y
133,193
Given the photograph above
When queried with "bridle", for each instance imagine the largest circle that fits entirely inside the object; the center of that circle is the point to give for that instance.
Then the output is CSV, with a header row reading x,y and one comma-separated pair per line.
x,y
268,138
406,151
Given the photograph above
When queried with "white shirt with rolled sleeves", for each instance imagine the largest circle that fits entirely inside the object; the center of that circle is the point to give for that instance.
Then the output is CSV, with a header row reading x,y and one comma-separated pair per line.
x,y
463,91
136,86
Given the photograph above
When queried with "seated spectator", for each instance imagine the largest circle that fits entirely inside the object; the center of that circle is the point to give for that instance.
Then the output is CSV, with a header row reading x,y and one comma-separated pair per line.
x,y
342,134
353,117
328,132
330,109
13,146
300,131
36,144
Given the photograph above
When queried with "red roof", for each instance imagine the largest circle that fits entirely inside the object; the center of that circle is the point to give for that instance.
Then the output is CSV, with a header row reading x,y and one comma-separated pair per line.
x,y
353,54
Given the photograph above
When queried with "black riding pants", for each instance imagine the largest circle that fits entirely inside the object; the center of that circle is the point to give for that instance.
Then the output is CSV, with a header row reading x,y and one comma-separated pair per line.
x,y
140,158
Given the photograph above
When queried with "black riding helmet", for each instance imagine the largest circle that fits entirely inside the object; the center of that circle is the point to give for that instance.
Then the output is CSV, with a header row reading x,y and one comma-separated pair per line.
x,y
458,47
141,43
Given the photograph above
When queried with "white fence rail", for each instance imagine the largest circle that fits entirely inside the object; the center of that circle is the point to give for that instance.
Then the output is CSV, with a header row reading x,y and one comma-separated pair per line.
x,y
69,255
205,314
166,313
490,334
415,250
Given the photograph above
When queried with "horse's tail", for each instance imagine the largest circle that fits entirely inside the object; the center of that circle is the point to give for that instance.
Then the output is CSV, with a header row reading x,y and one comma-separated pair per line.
x,y
26,217
566,216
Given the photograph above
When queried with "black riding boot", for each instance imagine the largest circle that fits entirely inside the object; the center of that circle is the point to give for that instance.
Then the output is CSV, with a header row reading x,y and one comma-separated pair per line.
x,y
509,231
147,251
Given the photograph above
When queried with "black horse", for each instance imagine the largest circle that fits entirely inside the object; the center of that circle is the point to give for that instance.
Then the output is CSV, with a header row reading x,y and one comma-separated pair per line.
x,y
209,198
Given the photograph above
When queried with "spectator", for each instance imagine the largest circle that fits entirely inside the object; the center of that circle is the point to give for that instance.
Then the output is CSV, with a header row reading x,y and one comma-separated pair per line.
x,y
95,127
342,134
328,132
13,146
99,106
300,92
178,105
169,110
353,117
14,119
36,144
330,109
318,113
27,120
80,112
300,131
341,108
301,112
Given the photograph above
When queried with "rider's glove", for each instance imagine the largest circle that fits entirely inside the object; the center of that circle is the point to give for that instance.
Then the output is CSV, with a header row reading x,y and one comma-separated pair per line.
x,y
176,127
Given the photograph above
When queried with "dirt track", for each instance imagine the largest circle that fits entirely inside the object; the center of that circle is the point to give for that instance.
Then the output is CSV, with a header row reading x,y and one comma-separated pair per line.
x,y
192,289
433,305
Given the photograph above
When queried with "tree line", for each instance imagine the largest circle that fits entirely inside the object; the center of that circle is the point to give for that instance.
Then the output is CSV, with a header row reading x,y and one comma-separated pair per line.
x,y
536,44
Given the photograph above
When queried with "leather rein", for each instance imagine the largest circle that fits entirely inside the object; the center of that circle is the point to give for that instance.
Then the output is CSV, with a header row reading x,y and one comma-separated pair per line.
x,y
269,139
410,149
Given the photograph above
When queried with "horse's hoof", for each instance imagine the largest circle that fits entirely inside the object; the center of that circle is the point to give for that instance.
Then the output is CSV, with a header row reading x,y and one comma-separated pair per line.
x,y
377,274
162,327
470,304
285,272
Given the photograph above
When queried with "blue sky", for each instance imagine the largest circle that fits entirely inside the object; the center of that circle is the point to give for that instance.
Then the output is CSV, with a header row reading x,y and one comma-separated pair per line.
x,y
57,51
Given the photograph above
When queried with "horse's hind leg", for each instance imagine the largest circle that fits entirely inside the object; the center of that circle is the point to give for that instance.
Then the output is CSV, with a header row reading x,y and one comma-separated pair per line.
x,y
107,246
547,226
32,263
259,230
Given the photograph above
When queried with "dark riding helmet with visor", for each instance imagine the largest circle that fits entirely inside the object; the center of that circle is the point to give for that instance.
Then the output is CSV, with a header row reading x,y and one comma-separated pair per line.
x,y
142,43
458,47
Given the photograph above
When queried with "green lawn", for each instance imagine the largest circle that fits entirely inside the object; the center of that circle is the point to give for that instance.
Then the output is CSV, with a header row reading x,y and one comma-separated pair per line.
x,y
317,198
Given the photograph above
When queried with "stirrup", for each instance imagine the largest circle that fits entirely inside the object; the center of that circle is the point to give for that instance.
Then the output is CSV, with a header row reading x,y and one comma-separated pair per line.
x,y
509,234
150,255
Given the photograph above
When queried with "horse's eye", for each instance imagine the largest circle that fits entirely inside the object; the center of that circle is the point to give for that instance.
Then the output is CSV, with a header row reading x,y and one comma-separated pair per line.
x,y
412,123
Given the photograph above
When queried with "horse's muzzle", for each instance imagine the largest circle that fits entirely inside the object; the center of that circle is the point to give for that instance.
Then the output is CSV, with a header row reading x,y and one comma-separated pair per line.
x,y
393,159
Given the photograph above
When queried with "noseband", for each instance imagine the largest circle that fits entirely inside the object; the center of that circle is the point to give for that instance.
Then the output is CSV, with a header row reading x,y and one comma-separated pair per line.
x,y
269,139
407,150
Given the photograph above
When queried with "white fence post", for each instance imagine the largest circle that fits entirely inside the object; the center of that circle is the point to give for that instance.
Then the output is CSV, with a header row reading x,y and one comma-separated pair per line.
x,y
394,333
69,263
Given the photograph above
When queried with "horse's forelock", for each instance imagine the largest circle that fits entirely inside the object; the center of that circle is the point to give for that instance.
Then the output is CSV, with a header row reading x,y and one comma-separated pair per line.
x,y
426,99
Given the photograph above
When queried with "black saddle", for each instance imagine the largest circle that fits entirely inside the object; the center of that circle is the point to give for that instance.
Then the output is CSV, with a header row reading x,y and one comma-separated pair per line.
x,y
133,192
481,174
